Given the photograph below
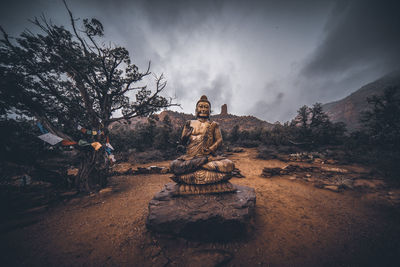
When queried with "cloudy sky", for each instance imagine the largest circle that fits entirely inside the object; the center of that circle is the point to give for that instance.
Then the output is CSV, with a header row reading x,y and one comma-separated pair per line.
x,y
262,58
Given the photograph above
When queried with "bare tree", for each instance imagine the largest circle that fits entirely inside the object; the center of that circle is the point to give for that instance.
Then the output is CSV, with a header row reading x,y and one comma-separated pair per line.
x,y
66,78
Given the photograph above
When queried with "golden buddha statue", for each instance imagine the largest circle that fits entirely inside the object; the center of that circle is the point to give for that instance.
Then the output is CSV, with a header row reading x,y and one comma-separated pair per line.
x,y
200,171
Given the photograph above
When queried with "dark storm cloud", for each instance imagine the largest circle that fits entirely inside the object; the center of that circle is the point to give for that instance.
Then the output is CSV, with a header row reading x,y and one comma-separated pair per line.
x,y
166,14
265,108
259,57
359,35
269,107
219,92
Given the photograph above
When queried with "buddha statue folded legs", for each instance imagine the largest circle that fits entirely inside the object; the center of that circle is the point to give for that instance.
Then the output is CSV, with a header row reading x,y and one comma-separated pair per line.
x,y
199,170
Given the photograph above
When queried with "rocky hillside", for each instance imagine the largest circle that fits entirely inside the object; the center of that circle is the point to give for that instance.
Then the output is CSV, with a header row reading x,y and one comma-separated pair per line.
x,y
226,121
349,109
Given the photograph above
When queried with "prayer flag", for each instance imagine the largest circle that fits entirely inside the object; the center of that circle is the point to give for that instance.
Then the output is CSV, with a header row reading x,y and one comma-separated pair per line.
x,y
108,150
41,128
68,143
111,158
109,146
96,145
50,138
83,143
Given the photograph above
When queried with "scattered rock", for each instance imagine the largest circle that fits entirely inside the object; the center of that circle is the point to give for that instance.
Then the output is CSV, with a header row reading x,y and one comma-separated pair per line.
x,y
295,168
269,172
124,169
164,170
237,150
331,161
333,169
333,188
151,170
121,167
347,184
318,161
306,156
394,197
105,190
209,257
72,171
369,184
209,216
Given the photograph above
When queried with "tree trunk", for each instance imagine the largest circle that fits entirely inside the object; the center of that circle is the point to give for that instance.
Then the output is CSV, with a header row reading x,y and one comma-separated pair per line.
x,y
93,171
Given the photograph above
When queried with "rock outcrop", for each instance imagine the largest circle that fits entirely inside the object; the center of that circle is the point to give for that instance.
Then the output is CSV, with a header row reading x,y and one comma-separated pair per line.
x,y
224,109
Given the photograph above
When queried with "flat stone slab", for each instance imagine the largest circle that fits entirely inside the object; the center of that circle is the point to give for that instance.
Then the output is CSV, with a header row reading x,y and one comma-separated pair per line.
x,y
208,216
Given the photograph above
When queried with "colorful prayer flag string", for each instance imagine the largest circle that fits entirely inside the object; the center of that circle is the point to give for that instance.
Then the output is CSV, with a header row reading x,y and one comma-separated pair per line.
x,y
89,132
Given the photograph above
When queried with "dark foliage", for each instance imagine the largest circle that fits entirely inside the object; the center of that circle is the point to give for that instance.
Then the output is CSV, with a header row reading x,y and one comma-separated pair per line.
x,y
382,130
64,78
19,142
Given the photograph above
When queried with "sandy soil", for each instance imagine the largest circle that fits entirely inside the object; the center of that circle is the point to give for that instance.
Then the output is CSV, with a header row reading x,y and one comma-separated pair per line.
x,y
296,224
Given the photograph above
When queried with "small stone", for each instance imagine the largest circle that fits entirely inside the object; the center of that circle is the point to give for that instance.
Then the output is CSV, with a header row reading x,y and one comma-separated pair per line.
x,y
334,169
292,178
105,190
333,188
237,150
331,161
164,170
72,172
318,160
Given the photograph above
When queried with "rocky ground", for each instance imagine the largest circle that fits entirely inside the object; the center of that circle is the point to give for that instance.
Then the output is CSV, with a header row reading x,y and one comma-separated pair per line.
x,y
301,219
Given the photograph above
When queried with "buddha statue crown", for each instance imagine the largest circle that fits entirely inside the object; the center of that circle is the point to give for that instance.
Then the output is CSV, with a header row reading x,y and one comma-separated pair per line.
x,y
203,98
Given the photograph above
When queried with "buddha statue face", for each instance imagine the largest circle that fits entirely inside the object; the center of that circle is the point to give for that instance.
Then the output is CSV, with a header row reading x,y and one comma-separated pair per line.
x,y
203,110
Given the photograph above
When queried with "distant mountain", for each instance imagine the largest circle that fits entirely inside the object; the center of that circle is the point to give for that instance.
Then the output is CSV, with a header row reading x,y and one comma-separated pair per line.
x,y
178,119
349,109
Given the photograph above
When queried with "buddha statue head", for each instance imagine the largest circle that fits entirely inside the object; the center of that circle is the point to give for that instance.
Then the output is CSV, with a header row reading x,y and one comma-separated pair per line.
x,y
203,108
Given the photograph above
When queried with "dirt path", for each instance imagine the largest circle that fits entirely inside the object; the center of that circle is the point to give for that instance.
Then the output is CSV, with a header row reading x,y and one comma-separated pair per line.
x,y
295,224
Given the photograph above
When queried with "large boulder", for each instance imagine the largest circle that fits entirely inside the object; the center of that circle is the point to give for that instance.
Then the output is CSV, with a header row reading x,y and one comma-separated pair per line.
x,y
207,216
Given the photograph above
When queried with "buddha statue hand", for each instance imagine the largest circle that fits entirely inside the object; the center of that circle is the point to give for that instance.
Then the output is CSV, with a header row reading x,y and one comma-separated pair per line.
x,y
186,134
207,151
180,148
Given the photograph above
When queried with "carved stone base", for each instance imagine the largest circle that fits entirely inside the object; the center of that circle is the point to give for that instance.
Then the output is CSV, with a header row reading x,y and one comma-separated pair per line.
x,y
202,216
196,189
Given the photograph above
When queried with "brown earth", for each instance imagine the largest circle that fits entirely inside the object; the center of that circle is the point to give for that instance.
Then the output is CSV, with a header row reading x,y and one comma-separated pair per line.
x,y
295,224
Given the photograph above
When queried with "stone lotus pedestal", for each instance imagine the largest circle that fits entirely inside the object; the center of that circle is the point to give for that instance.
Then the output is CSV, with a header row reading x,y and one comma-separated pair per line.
x,y
204,216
